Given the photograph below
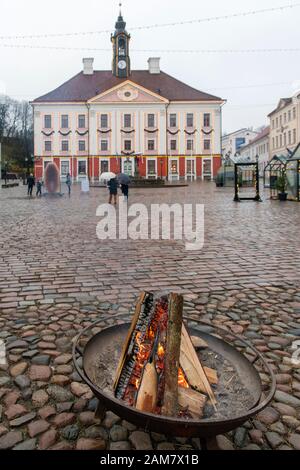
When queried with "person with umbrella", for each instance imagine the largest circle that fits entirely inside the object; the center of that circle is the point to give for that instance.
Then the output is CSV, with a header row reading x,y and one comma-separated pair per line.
x,y
124,181
112,184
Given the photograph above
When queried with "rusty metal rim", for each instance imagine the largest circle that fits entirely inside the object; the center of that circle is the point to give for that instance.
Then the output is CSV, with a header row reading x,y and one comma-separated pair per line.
x,y
203,422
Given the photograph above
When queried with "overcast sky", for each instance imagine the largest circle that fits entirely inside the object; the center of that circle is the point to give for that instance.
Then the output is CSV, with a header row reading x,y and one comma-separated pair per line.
x,y
29,73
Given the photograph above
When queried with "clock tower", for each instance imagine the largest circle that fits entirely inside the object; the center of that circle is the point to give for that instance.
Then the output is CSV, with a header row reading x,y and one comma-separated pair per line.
x,y
120,40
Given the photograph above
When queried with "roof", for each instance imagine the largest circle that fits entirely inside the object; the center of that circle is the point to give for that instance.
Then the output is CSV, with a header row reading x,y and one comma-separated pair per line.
x,y
283,101
262,135
84,87
277,161
296,153
239,131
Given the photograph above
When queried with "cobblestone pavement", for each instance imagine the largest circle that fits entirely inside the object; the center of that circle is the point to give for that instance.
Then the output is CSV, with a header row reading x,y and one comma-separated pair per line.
x,y
56,277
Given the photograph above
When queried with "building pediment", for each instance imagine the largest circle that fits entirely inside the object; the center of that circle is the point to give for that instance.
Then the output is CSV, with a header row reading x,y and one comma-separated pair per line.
x,y
128,92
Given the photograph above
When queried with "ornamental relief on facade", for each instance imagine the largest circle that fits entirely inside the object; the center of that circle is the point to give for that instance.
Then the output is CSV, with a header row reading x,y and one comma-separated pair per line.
x,y
128,94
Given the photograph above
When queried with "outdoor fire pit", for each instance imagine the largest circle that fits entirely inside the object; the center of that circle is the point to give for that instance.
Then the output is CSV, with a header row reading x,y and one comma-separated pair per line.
x,y
240,392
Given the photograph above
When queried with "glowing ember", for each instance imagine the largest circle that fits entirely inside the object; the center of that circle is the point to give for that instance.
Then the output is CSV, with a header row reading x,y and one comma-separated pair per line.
x,y
160,351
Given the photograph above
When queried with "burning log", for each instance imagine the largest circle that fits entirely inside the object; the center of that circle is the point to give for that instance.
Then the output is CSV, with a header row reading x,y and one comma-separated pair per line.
x,y
134,321
170,405
147,395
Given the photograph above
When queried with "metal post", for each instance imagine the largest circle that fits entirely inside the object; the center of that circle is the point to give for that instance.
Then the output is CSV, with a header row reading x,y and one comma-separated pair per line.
x,y
257,198
298,179
236,184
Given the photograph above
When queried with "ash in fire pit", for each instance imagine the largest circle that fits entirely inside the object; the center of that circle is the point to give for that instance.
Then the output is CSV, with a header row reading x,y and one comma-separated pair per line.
x,y
232,395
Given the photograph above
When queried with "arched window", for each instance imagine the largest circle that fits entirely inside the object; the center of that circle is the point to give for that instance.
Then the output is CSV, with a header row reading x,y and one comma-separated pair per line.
x,y
122,46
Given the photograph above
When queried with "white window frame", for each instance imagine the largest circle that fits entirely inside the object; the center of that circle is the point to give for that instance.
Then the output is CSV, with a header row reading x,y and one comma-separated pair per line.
x,y
150,114
147,144
193,118
107,122
61,121
51,142
85,145
131,146
131,120
61,145
51,121
46,159
206,175
190,176
82,177
172,176
151,175
104,140
60,162
176,120
79,116
132,167
103,160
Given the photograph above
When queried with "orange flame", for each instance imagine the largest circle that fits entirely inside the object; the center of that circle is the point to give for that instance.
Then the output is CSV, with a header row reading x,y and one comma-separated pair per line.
x,y
182,382
160,351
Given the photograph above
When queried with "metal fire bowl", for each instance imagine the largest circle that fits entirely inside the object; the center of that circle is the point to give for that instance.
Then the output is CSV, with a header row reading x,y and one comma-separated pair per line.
x,y
203,428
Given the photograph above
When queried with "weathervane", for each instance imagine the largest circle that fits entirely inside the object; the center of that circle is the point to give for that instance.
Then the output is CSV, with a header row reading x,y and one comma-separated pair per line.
x,y
120,5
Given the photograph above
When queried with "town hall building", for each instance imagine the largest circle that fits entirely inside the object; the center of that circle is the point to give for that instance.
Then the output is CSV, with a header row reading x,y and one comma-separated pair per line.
x,y
139,122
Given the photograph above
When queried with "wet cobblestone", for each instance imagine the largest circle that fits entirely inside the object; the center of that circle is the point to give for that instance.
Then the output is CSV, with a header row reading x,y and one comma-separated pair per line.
x,y
56,278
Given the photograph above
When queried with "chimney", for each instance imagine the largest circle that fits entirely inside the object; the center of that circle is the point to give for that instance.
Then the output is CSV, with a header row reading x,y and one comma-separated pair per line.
x,y
88,66
154,65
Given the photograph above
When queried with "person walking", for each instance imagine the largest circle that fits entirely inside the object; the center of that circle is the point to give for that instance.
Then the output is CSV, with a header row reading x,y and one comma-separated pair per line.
x,y
125,190
30,184
113,190
39,185
69,183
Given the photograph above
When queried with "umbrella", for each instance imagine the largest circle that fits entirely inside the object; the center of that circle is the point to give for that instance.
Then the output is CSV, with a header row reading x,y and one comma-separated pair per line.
x,y
107,176
123,179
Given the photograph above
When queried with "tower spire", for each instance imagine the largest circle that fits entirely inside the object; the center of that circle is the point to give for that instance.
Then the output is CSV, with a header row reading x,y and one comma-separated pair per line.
x,y
120,40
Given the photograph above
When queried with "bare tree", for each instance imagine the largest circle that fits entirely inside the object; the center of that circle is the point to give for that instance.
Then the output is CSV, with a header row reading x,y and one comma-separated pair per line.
x,y
16,130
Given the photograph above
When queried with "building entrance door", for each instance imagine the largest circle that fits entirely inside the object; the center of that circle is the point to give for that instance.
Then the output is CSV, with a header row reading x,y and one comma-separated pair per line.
x,y
207,169
128,166
190,173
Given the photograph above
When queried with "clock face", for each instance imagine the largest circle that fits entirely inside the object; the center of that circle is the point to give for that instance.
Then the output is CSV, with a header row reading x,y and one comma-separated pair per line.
x,y
122,64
